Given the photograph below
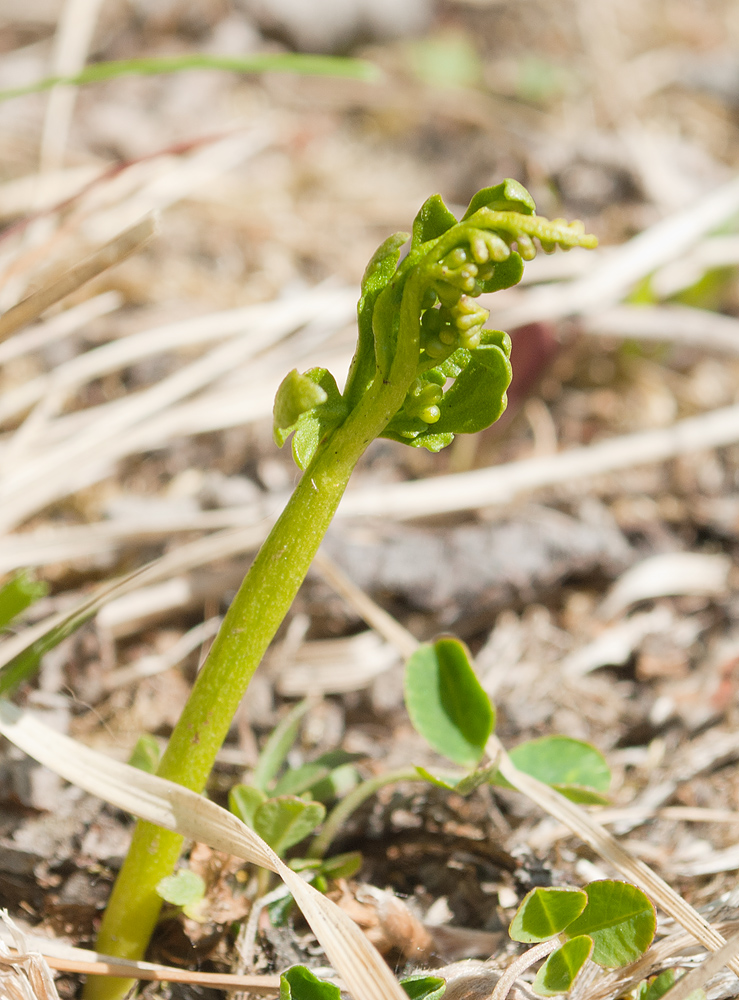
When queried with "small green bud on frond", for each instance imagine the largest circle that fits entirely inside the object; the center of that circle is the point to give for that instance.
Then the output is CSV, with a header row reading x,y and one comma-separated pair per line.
x,y
296,395
309,407
421,330
454,263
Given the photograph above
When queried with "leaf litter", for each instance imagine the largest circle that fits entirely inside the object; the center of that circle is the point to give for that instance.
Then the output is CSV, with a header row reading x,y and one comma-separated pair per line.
x,y
313,177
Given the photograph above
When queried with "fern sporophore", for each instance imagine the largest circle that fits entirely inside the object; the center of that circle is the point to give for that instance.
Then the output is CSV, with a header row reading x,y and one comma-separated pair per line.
x,y
425,369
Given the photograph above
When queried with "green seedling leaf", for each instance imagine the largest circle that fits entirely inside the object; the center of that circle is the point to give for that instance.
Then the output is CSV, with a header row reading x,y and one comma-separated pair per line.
x,y
656,988
244,800
145,755
19,593
312,65
463,785
15,596
338,866
277,747
382,265
583,796
474,401
296,395
478,396
300,779
508,196
377,275
299,983
420,439
564,763
561,969
286,820
546,912
184,888
342,865
335,785
445,702
422,986
279,909
450,784
432,221
316,423
620,920
505,274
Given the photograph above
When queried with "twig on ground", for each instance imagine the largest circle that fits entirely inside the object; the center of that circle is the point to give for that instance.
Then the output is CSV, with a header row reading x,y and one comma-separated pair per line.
x,y
699,328
149,666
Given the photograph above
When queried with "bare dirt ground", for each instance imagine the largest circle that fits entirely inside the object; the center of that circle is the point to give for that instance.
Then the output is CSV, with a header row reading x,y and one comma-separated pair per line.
x,y
590,567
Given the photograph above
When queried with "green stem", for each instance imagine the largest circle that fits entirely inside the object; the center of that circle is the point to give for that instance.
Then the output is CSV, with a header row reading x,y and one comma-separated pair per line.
x,y
247,630
341,812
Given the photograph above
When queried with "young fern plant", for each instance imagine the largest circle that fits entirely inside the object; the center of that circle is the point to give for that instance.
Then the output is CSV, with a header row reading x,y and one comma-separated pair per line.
x,y
425,369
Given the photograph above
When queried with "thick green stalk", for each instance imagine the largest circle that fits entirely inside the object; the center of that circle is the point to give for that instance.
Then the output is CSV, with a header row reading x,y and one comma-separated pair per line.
x,y
391,352
248,628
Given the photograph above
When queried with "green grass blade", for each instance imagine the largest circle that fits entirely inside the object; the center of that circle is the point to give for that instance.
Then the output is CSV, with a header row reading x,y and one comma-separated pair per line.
x,y
278,746
288,62
19,593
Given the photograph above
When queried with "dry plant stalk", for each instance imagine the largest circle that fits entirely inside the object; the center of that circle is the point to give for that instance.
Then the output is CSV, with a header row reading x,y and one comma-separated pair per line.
x,y
24,974
117,250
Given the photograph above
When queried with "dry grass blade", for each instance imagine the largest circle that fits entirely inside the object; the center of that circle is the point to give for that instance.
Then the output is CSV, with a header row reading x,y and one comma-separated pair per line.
x,y
205,166
290,314
463,491
149,418
51,630
148,666
707,331
24,974
112,253
71,45
66,958
375,616
592,833
42,478
672,951
23,195
191,815
697,978
59,326
260,985
503,483
84,540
